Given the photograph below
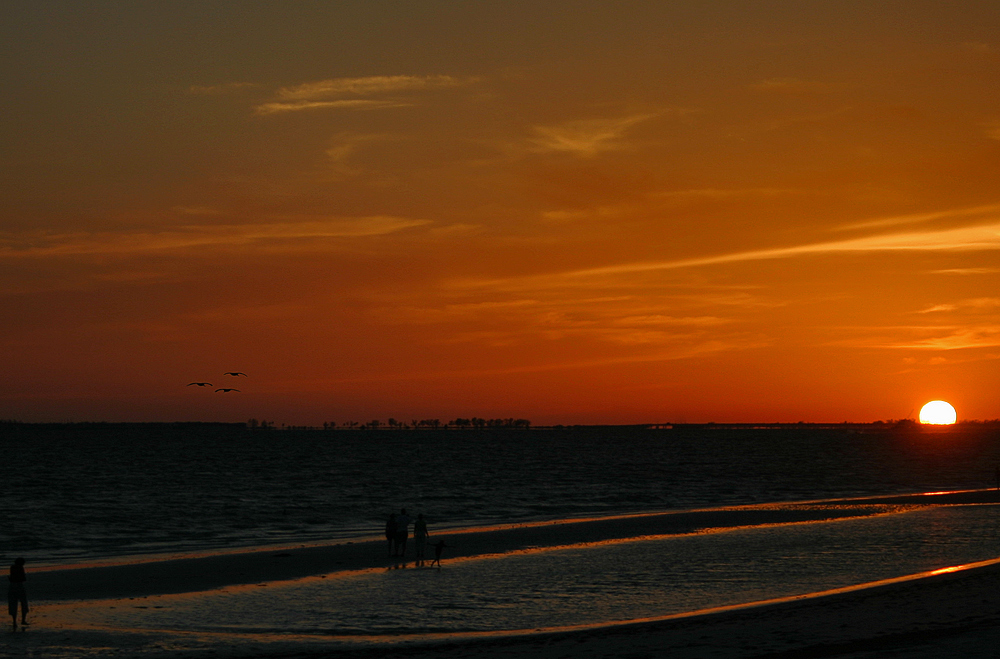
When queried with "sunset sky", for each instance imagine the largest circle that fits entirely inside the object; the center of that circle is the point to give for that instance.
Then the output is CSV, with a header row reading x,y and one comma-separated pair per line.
x,y
571,212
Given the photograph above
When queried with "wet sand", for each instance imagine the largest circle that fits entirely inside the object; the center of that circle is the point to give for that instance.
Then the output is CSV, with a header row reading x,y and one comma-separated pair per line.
x,y
940,616
959,608
953,614
206,572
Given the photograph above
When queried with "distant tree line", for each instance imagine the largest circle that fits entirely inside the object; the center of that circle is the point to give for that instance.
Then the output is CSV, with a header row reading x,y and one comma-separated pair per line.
x,y
478,423
475,423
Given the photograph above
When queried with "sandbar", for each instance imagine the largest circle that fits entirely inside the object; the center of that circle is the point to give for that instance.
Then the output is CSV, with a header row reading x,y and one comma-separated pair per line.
x,y
951,612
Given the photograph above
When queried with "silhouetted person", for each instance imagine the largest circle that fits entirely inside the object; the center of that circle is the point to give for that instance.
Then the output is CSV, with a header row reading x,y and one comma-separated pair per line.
x,y
402,531
390,533
420,537
438,549
16,592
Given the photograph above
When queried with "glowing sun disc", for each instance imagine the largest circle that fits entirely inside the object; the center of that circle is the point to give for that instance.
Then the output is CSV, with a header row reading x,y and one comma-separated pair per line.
x,y
938,413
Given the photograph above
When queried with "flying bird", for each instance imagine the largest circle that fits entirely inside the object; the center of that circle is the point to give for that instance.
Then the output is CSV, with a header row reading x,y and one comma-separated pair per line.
x,y
201,384
225,390
236,373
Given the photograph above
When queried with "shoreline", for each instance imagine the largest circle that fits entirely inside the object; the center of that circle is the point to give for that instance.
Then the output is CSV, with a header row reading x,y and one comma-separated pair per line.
x,y
949,612
913,610
949,605
203,572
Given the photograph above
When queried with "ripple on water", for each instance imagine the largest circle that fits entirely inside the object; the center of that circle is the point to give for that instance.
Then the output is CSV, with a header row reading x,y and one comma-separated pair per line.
x,y
588,584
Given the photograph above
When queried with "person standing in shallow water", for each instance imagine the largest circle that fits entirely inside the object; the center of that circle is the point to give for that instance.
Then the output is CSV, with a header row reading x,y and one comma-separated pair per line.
x,y
420,537
16,592
402,531
390,533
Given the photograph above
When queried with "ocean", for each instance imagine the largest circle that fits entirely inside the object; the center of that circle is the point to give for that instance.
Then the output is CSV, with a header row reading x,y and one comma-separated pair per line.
x,y
782,513
83,492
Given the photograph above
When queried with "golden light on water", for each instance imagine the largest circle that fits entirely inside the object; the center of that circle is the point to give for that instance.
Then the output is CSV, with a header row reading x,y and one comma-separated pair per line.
x,y
938,412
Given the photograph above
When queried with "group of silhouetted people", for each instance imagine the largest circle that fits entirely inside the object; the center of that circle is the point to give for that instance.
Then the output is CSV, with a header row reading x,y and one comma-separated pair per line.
x,y
397,532
16,594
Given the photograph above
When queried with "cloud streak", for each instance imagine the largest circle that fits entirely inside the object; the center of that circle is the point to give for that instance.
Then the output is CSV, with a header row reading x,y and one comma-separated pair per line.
x,y
52,244
958,339
585,137
989,209
975,238
974,303
367,86
265,109
344,93
966,271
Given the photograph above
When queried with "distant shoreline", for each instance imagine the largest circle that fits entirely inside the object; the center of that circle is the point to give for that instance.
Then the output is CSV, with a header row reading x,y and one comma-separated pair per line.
x,y
872,426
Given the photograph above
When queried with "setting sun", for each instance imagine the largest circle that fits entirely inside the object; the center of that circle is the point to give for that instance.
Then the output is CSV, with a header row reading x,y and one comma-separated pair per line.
x,y
938,412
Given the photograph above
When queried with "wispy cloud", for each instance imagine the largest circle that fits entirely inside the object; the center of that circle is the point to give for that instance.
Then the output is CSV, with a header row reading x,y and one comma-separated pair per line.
x,y
916,218
938,360
934,337
344,147
344,93
659,200
367,86
674,354
586,137
346,104
966,271
109,242
632,321
659,320
957,339
983,237
978,303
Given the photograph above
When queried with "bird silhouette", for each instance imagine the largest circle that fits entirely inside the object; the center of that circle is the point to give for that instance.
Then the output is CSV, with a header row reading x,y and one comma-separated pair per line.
x,y
201,384
236,373
225,390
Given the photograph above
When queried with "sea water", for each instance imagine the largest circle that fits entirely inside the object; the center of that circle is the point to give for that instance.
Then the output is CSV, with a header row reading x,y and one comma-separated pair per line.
x,y
89,491
597,583
80,493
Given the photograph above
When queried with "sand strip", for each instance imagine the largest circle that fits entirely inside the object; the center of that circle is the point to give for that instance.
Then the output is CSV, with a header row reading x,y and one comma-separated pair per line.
x,y
195,574
932,616
954,613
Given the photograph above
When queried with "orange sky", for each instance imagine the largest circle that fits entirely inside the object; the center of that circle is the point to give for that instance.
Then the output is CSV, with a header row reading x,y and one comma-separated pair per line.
x,y
583,212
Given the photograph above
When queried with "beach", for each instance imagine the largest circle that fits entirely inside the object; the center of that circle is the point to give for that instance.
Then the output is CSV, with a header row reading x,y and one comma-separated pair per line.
x,y
945,615
952,614
138,608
